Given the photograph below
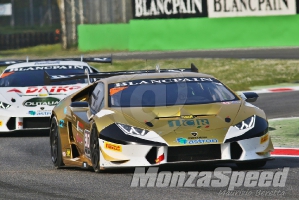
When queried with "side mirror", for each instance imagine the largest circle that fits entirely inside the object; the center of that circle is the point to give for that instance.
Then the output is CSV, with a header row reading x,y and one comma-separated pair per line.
x,y
251,96
79,104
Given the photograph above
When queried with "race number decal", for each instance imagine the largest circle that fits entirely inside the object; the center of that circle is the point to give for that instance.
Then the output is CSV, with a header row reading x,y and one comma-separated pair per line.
x,y
87,142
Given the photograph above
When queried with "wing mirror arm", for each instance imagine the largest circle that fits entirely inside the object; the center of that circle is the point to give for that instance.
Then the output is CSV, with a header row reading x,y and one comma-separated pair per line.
x,y
90,117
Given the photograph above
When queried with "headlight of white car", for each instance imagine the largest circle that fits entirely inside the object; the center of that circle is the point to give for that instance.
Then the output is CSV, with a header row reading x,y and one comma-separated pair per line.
x,y
247,123
4,105
130,130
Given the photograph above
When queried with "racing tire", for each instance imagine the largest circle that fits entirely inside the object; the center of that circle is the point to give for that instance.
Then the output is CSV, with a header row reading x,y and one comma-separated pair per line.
x,y
95,149
252,164
55,143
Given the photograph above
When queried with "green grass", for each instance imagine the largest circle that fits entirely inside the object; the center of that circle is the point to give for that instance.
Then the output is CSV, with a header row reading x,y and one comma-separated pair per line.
x,y
238,74
285,132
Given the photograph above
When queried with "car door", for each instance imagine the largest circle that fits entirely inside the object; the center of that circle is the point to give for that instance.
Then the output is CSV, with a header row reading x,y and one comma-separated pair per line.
x,y
82,111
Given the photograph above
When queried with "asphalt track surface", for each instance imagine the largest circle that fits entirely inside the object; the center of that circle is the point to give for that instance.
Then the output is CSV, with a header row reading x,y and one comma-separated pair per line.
x,y
26,170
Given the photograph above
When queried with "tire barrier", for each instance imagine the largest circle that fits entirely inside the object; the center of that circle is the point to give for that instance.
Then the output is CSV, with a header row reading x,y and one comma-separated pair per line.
x,y
21,40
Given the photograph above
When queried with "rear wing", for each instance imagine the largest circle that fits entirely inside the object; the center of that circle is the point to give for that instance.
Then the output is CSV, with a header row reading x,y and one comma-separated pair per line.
x,y
90,59
57,78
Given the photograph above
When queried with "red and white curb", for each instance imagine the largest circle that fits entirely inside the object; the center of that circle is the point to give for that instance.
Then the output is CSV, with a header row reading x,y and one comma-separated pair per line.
x,y
278,89
285,152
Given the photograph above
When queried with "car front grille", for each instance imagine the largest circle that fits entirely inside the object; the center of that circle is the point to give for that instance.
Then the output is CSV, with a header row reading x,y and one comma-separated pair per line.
x,y
36,122
194,153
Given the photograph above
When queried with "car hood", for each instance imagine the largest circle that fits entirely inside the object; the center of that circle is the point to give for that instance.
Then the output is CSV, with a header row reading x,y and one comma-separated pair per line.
x,y
205,121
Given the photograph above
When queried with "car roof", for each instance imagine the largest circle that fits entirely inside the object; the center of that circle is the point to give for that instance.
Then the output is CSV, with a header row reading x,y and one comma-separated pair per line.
x,y
46,63
124,78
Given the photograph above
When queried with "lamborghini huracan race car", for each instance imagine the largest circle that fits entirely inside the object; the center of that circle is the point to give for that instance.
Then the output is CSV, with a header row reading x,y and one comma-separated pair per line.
x,y
154,117
26,100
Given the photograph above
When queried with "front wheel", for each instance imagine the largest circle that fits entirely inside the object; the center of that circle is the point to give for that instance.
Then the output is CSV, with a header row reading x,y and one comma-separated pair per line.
x,y
55,144
95,149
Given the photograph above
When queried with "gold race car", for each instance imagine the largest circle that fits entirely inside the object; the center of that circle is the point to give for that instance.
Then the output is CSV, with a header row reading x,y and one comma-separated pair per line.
x,y
156,117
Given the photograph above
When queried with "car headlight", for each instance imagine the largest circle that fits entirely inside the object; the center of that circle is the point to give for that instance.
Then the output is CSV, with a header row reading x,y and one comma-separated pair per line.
x,y
130,130
4,105
247,123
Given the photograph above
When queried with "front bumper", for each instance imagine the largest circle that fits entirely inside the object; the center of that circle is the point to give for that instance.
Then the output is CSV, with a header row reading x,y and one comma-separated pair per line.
x,y
13,124
133,155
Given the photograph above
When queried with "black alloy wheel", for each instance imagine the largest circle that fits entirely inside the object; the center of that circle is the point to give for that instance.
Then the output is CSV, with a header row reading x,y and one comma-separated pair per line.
x,y
55,144
95,149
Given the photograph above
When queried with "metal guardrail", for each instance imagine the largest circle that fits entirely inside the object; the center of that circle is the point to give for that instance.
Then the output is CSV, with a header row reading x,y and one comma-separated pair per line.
x,y
21,40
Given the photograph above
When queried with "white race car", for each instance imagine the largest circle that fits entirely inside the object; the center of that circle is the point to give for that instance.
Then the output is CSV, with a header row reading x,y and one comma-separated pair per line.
x,y
26,100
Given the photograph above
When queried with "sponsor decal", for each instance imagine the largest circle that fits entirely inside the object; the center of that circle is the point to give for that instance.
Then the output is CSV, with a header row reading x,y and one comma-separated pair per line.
x,y
47,63
65,110
112,146
52,89
39,101
87,142
31,112
46,68
116,90
264,138
196,141
68,152
61,123
40,112
197,137
241,8
160,158
222,177
6,74
164,81
145,9
80,126
44,90
79,139
0,123
14,90
187,116
199,123
20,125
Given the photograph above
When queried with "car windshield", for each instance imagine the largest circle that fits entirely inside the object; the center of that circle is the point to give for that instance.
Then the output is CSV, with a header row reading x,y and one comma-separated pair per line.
x,y
13,78
168,92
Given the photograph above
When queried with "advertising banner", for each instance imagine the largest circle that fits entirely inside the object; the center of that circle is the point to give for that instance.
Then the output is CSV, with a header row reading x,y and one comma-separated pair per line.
x,y
242,8
161,9
5,9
